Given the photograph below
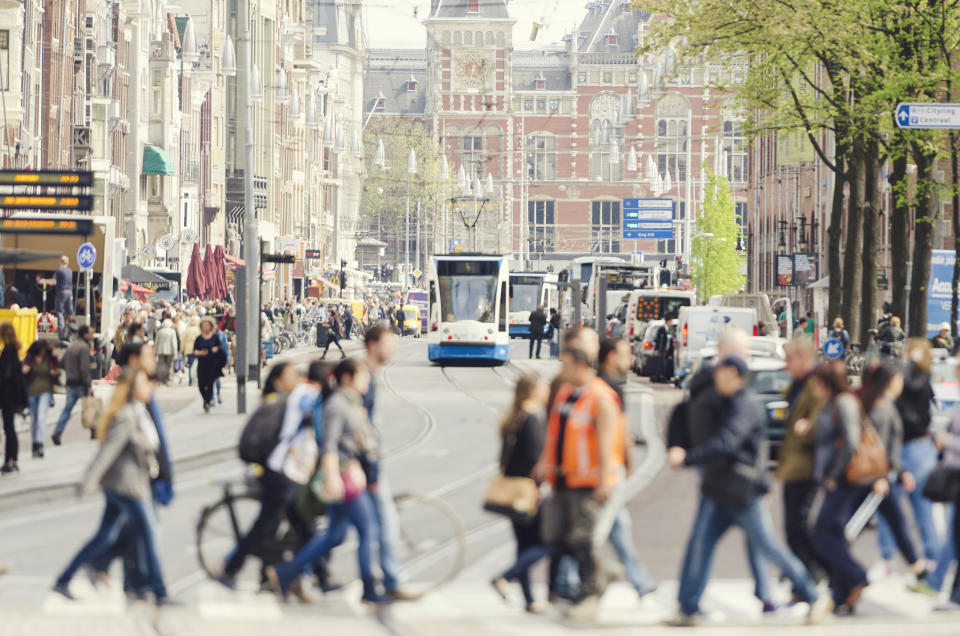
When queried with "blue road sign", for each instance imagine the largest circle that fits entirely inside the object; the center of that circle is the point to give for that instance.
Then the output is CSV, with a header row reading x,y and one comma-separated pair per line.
x,y
833,348
647,218
86,256
928,116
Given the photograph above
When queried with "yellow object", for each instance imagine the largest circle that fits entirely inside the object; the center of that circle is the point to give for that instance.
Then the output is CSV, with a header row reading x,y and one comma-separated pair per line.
x,y
411,319
24,322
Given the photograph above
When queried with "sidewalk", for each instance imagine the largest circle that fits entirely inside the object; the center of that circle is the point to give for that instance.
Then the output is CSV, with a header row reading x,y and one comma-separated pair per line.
x,y
196,439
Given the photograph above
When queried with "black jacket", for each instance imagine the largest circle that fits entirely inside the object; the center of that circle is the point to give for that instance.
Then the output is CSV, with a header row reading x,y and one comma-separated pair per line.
x,y
914,403
538,320
694,421
521,450
740,438
13,388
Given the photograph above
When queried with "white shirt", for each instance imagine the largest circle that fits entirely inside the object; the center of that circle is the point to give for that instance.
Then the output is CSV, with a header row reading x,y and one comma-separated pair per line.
x,y
300,402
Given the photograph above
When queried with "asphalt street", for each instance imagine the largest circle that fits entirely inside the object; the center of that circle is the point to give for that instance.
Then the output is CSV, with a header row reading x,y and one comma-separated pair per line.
x,y
439,431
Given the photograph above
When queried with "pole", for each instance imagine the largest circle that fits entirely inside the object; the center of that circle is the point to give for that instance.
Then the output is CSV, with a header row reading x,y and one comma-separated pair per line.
x,y
250,238
406,236
418,234
240,355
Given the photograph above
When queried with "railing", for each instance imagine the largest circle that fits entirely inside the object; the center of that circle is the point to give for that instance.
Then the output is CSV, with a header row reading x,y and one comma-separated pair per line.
x,y
608,59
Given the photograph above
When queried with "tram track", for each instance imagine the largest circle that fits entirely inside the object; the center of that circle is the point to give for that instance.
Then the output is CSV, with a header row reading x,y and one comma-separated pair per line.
x,y
430,421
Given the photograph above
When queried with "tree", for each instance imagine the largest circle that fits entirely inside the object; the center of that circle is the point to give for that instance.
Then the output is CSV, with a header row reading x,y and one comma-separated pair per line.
x,y
715,260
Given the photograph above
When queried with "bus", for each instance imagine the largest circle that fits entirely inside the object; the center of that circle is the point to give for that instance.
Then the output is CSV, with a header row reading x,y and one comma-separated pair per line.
x,y
469,309
621,279
529,290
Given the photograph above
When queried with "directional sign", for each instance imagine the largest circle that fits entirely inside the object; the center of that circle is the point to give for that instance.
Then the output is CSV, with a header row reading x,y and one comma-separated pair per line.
x,y
928,115
86,256
647,218
833,349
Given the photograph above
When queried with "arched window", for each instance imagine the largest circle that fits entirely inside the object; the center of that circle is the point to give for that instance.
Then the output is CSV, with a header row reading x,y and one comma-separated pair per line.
x,y
672,137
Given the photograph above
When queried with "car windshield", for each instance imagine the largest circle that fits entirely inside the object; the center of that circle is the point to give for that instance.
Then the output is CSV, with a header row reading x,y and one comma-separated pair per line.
x,y
770,382
468,297
524,296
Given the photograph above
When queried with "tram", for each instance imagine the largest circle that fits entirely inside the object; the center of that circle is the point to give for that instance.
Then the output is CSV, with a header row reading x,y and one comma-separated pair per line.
x,y
529,290
469,309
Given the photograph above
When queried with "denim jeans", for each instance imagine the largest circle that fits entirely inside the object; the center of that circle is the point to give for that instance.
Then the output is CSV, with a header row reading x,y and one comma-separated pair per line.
x,y
131,547
947,555
39,405
530,549
388,536
190,359
119,512
63,306
919,459
755,521
828,535
622,540
358,513
74,394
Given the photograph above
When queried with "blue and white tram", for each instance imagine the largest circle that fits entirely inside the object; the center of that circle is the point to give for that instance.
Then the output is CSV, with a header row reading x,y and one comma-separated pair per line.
x,y
469,309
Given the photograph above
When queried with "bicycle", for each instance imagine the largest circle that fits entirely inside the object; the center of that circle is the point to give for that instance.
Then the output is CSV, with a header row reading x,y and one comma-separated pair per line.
x,y
433,545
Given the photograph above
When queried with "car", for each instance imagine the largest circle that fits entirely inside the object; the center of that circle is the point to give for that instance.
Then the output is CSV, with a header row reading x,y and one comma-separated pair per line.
x,y
411,321
617,320
946,389
643,347
769,378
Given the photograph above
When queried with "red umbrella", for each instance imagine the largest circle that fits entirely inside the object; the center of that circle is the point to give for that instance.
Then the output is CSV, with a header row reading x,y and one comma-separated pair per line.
x,y
196,281
219,256
210,275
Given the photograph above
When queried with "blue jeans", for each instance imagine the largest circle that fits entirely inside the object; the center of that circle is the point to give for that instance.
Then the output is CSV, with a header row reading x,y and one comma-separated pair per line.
x,y
190,359
119,512
39,405
620,537
358,513
388,536
74,394
828,535
755,521
948,553
63,306
919,459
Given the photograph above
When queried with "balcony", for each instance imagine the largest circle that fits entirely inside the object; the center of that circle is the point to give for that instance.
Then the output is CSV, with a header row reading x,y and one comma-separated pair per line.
x,y
608,59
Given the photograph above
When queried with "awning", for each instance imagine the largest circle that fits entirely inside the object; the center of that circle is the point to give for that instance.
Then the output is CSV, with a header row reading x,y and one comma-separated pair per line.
x,y
232,261
142,277
156,161
134,288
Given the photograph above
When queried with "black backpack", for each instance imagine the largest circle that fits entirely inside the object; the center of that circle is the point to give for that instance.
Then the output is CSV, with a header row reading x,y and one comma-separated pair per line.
x,y
262,432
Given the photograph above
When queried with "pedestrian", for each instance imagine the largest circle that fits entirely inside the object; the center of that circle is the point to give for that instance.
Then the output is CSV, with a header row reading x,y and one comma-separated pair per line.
x,y
348,321
123,466
40,370
522,432
167,346
349,442
663,349
841,334
891,338
186,344
948,443
225,348
333,337
63,300
538,320
381,345
836,437
733,487
882,384
13,393
795,460
943,340
579,461
282,379
210,359
77,364
401,317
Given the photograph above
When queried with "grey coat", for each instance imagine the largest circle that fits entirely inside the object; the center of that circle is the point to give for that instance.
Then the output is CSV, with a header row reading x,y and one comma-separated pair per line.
x,y
837,437
125,461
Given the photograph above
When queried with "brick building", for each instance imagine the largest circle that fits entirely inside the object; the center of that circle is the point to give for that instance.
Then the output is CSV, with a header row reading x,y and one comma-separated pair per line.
x,y
565,133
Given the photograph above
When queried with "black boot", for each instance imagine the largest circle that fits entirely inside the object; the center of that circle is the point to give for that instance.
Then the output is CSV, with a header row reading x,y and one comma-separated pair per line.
x,y
371,595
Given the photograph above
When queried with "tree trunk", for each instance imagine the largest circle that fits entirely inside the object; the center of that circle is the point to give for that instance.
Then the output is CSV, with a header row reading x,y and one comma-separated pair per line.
x,y
852,256
955,201
899,235
922,241
834,236
871,207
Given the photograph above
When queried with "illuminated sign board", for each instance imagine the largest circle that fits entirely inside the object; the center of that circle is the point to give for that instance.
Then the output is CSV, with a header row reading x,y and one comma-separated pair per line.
x,y
45,202
278,258
46,226
46,178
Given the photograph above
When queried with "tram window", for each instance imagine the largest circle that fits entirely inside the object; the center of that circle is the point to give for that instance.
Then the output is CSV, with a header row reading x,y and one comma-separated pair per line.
x,y
503,306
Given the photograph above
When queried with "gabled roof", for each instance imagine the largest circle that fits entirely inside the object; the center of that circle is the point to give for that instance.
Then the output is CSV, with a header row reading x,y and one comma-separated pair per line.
x,y
389,72
554,67
457,9
604,17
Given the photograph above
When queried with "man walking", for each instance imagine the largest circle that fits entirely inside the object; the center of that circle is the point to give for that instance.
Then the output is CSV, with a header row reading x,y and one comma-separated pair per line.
x,y
795,467
77,362
580,461
538,320
401,317
663,349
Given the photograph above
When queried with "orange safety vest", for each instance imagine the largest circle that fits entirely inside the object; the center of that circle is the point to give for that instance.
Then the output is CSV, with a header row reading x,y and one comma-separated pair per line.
x,y
580,464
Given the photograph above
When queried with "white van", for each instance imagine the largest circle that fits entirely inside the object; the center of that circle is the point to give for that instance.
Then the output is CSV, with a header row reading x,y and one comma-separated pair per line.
x,y
647,305
699,326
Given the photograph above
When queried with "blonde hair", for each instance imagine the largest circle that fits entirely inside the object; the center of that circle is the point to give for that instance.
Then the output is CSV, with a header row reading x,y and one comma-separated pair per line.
x,y
838,323
895,321
119,399
922,345
525,386
210,321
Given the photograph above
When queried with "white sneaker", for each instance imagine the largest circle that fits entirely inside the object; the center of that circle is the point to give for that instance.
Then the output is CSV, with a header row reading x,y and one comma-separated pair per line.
x,y
880,571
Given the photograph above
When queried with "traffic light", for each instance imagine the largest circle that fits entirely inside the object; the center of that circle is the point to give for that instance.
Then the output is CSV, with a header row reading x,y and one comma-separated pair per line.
x,y
679,264
343,276
665,277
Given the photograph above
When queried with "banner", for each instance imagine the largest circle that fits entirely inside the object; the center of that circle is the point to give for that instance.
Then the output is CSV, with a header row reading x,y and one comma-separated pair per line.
x,y
784,270
805,269
939,290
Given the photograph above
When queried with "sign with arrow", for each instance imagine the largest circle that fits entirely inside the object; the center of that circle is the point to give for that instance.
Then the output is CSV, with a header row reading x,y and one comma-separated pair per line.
x,y
922,116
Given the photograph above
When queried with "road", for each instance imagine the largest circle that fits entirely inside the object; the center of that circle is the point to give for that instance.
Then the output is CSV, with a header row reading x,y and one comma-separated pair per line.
x,y
439,431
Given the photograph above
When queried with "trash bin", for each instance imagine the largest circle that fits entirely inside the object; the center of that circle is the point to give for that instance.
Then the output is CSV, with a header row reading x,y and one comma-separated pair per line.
x,y
24,322
323,335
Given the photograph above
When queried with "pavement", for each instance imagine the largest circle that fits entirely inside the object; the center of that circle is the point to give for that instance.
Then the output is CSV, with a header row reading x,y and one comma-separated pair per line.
x,y
439,432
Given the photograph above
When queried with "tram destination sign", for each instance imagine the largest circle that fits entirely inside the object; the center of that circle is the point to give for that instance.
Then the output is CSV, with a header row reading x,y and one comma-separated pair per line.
x,y
45,202
41,225
46,178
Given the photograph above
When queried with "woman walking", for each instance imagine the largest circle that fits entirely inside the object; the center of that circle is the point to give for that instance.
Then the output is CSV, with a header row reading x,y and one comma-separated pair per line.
x,y
334,334
123,466
349,442
190,335
210,359
40,371
522,434
13,393
167,347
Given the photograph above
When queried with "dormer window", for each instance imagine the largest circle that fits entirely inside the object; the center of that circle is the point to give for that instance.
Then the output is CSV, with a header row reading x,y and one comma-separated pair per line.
x,y
473,6
380,101
626,7
411,85
541,82
611,38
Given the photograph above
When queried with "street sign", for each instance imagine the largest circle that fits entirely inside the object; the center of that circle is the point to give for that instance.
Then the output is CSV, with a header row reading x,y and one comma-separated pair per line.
x,y
278,258
647,218
928,115
313,253
833,349
45,202
16,225
46,178
149,251
166,242
86,256
188,236
417,273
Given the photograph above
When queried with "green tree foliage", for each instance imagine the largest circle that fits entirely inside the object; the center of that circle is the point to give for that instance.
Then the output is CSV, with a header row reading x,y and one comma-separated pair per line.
x,y
715,260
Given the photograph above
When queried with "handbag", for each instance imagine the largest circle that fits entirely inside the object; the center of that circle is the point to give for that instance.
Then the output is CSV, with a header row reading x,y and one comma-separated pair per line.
x,y
90,409
943,485
354,484
870,462
514,497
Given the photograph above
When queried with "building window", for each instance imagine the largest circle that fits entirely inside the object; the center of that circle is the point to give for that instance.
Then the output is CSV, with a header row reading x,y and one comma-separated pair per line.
x,y
542,226
473,6
612,38
156,103
582,78
606,228
411,85
471,156
672,148
542,158
541,82
528,105
608,77
541,105
5,57
667,246
554,105
156,186
733,145
741,213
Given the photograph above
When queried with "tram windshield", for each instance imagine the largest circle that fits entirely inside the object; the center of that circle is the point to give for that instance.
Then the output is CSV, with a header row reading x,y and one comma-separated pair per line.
x,y
524,293
468,290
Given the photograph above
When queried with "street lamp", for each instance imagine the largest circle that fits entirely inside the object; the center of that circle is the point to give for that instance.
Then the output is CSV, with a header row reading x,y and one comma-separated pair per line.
x,y
381,159
411,170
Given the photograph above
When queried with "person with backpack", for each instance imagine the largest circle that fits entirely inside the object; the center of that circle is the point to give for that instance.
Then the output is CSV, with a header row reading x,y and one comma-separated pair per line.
x,y
841,334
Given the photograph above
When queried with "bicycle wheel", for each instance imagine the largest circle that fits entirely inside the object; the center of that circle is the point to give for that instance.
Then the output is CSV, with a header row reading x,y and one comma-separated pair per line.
x,y
433,544
219,528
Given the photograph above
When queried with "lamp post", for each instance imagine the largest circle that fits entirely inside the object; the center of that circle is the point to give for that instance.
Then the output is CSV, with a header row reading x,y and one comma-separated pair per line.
x,y
411,170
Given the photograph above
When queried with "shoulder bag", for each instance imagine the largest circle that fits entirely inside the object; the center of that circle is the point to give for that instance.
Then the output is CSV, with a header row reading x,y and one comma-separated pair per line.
x,y
870,462
943,485
514,497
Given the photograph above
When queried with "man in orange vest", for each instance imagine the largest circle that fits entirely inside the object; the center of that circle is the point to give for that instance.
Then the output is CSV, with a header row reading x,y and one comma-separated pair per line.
x,y
583,460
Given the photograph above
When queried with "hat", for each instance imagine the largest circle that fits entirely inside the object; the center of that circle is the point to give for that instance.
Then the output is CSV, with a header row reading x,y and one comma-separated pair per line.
x,y
734,362
944,326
